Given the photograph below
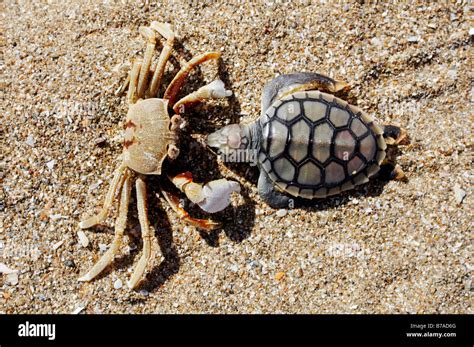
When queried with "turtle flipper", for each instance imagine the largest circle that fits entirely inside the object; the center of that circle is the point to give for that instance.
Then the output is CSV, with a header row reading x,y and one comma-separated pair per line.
x,y
301,81
267,192
394,135
389,170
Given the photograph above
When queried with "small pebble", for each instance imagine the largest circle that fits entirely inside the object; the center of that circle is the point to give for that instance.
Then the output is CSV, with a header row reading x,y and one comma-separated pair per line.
x,y
254,264
452,74
30,141
279,276
459,194
78,309
12,278
376,42
70,263
456,247
118,284
413,39
50,164
57,245
259,212
471,32
35,254
131,247
100,141
102,247
6,270
94,186
83,240
143,292
281,212
55,217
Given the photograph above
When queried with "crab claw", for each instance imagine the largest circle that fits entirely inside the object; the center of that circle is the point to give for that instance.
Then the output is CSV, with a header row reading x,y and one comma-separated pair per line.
x,y
217,195
204,224
212,197
213,90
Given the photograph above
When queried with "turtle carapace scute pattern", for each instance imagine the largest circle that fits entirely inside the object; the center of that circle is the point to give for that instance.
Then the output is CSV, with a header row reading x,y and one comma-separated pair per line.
x,y
314,145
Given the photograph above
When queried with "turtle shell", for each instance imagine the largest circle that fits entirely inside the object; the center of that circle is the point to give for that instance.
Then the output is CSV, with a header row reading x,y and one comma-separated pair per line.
x,y
314,145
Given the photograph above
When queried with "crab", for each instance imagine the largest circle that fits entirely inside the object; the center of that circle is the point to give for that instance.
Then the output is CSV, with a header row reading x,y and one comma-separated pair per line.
x,y
150,138
309,143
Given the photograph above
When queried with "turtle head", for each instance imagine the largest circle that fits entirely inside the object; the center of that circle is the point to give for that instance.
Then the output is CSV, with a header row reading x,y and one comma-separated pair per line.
x,y
229,138
233,143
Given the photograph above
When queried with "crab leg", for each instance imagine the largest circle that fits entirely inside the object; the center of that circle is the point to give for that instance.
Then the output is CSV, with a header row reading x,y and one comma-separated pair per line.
x,y
213,90
124,86
133,80
167,32
120,225
117,182
150,36
174,202
211,197
146,235
178,81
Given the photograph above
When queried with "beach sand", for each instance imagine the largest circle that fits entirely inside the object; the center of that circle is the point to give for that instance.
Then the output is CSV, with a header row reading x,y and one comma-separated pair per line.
x,y
386,247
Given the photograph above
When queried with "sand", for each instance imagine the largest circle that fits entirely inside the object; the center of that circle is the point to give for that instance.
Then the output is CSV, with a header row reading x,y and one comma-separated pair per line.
x,y
387,247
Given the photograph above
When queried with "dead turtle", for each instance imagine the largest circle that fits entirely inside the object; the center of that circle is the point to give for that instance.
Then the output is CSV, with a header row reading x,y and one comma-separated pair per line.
x,y
309,143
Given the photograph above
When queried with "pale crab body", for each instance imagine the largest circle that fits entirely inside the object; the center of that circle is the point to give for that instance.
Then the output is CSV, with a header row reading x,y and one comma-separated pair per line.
x,y
150,137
